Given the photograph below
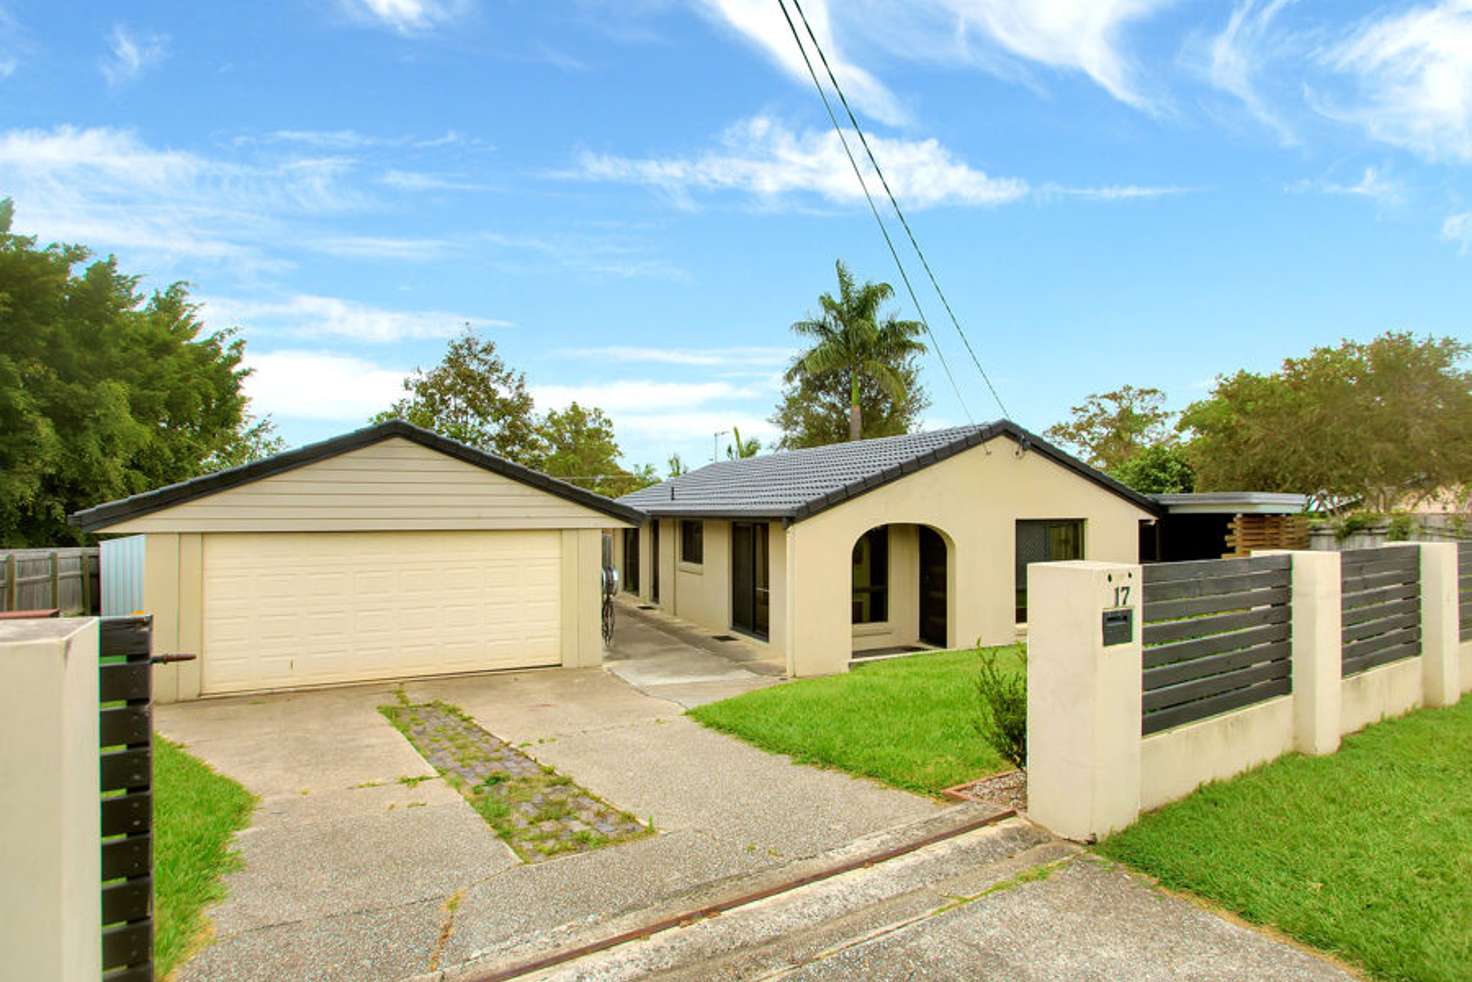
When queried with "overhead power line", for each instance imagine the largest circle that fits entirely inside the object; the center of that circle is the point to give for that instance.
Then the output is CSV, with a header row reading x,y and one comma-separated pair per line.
x,y
858,172
888,192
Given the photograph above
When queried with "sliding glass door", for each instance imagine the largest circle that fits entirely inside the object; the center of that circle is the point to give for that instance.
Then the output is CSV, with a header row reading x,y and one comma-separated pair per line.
x,y
751,596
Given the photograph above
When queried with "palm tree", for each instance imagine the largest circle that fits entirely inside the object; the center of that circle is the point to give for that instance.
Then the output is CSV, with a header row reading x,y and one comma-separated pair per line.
x,y
740,449
852,336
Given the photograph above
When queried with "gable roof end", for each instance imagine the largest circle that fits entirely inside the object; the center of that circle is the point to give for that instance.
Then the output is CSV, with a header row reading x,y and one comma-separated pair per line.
x,y
100,517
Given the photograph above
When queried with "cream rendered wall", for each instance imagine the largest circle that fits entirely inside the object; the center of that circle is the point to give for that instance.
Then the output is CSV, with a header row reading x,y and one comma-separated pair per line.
x,y
974,500
703,592
1175,762
50,860
390,485
1383,692
903,624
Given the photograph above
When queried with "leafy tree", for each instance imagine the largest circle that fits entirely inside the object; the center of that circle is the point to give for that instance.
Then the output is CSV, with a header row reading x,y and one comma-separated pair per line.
x,y
1162,468
581,449
853,341
677,466
1111,427
1376,423
256,438
471,396
104,392
814,411
740,449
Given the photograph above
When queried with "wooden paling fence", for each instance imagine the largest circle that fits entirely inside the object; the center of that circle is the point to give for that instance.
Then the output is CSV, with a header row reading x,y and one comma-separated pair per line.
x,y
1381,602
1216,637
1250,533
67,579
1464,588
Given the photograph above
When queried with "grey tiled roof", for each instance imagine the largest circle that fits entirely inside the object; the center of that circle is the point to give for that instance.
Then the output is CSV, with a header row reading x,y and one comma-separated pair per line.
x,y
800,483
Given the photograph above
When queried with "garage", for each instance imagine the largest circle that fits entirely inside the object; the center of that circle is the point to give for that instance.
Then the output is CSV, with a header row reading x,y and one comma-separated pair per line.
x,y
386,553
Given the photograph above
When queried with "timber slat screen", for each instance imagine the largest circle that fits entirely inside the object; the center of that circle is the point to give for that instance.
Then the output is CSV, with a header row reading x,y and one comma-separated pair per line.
x,y
126,727
1464,588
1216,635
1381,620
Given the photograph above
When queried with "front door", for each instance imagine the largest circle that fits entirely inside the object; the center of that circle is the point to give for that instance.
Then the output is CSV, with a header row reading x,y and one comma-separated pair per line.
x,y
631,560
932,587
751,601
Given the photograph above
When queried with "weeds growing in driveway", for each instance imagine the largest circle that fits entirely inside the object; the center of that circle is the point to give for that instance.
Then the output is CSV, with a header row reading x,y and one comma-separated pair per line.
x,y
909,722
1366,853
538,812
196,810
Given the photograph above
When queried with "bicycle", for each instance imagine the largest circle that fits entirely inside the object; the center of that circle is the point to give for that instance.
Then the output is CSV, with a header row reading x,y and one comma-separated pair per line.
x,y
610,587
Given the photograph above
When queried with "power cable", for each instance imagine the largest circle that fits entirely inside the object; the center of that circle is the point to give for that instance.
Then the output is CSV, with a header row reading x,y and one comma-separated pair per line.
x,y
895,203
869,198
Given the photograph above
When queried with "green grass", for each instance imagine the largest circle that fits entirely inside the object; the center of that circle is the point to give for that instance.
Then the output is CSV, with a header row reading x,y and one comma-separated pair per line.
x,y
196,811
905,721
1366,854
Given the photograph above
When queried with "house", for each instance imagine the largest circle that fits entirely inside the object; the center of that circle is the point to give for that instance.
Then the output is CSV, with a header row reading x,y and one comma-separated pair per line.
x,y
877,546
385,553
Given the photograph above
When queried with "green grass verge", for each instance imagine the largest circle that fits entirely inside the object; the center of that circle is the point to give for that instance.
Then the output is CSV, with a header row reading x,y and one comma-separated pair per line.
x,y
196,810
1366,854
908,722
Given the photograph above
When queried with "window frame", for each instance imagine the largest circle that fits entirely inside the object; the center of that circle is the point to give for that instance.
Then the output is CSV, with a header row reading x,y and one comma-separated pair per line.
x,y
692,531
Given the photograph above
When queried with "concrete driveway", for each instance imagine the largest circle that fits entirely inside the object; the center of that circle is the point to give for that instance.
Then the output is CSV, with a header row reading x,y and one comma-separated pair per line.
x,y
350,873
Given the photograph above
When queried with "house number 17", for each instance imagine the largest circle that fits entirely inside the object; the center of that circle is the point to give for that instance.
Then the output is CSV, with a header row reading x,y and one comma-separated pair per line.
x,y
1122,596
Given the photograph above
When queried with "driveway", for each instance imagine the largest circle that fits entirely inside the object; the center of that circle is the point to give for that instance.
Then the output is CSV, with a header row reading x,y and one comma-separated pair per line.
x,y
350,872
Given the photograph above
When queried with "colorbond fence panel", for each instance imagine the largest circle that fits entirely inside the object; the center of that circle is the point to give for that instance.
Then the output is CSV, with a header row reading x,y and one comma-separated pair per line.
x,y
1464,588
1381,603
1217,637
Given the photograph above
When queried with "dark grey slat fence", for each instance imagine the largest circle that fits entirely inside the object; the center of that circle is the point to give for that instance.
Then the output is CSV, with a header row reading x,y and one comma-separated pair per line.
x,y
68,579
1217,637
1381,603
126,729
1464,588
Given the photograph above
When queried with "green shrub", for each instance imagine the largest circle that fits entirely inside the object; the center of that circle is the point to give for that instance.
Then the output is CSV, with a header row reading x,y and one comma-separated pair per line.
x,y
1357,521
1002,722
1401,528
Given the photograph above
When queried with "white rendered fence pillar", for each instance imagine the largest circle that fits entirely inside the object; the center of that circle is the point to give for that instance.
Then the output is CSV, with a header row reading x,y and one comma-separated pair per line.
x,y
1083,698
1441,661
50,825
1317,645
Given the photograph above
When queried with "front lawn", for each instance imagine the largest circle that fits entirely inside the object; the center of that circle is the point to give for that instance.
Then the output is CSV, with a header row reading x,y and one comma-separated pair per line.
x,y
906,721
1366,854
195,812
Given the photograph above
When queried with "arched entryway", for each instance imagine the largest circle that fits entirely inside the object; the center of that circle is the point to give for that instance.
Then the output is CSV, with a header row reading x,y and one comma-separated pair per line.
x,y
901,589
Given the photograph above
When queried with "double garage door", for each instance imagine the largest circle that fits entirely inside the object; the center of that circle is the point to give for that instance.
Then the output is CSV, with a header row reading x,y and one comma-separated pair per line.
x,y
285,609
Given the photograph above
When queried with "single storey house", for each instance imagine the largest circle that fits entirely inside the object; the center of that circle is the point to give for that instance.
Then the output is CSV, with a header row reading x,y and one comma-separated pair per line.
x,y
875,546
385,553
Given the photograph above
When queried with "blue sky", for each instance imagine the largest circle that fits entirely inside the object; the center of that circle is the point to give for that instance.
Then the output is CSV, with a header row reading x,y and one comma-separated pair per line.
x,y
636,199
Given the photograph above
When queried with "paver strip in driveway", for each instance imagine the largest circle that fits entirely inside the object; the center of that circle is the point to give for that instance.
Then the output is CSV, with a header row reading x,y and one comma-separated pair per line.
x,y
537,811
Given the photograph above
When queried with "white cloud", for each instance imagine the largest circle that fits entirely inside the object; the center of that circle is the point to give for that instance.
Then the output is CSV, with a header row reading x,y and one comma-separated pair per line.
x,y
761,22
1373,184
416,181
1077,35
304,384
1458,228
762,157
1412,72
407,16
108,189
131,54
641,395
308,315
1114,192
380,247
722,357
1235,57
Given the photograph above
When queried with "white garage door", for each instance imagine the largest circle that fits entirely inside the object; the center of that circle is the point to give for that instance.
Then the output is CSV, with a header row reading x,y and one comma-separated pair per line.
x,y
302,608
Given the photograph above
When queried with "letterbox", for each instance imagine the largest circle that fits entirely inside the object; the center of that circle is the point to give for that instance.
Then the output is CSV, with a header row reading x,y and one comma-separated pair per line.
x,y
1119,626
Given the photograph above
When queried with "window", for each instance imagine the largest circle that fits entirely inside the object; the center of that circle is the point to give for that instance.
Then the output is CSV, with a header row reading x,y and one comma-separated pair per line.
x,y
871,577
692,542
1047,541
